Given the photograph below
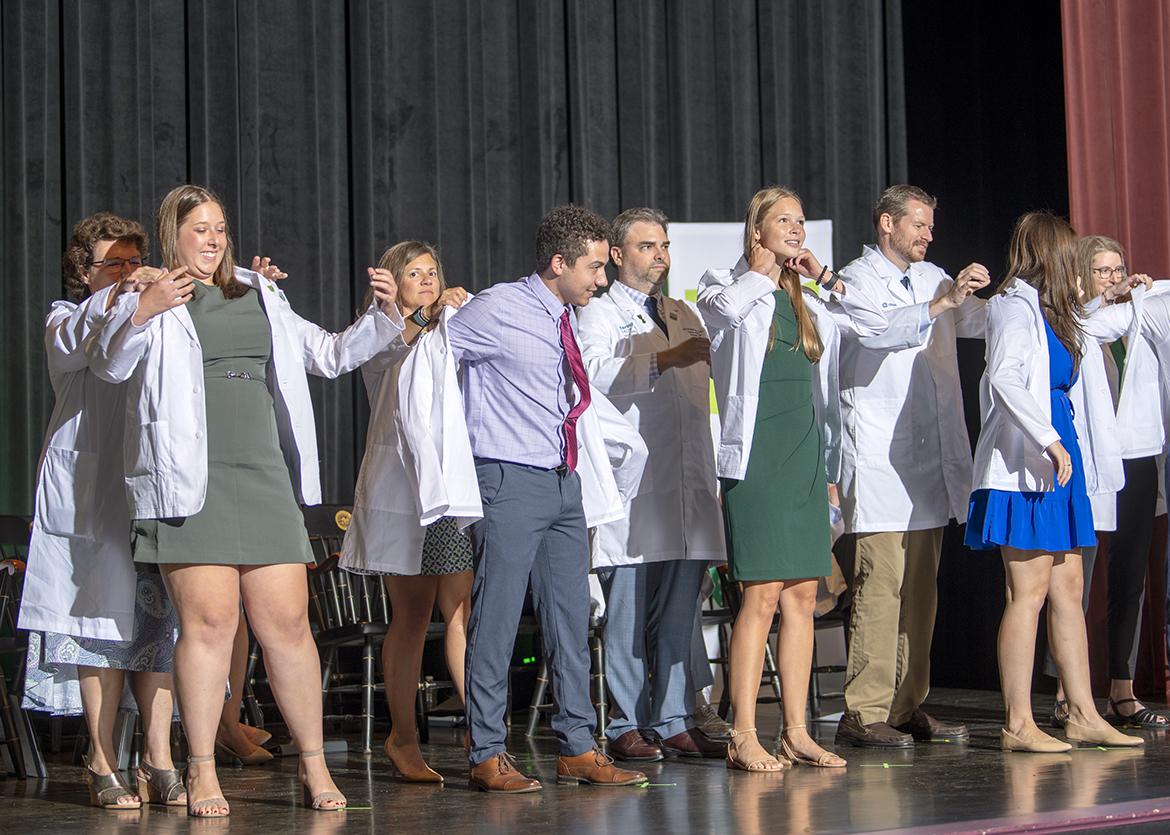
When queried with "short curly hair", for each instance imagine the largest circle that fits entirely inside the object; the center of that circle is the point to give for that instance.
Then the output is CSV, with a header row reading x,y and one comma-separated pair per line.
x,y
103,226
566,231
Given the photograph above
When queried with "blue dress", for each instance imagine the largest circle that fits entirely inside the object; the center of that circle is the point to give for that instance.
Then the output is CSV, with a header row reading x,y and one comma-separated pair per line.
x,y
1055,521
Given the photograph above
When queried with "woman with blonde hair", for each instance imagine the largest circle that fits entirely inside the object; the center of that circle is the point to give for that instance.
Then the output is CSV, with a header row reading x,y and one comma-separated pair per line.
x,y
774,360
421,567
221,445
1031,484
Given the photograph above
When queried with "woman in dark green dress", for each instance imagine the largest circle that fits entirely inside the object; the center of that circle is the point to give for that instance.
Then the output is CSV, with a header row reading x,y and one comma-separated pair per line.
x,y
216,378
776,515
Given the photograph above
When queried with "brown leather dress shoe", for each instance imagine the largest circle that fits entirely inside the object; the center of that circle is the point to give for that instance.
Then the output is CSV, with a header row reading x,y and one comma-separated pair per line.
x,y
499,774
693,743
873,735
633,747
597,769
925,728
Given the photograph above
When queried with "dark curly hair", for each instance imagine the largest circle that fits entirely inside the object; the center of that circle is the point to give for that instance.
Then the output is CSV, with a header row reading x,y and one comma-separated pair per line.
x,y
565,231
103,226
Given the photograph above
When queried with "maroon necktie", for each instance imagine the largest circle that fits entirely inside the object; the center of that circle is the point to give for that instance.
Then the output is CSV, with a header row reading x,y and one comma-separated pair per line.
x,y
581,381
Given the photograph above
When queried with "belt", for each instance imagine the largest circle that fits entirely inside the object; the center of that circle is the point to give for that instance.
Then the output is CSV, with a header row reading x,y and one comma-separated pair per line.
x,y
561,469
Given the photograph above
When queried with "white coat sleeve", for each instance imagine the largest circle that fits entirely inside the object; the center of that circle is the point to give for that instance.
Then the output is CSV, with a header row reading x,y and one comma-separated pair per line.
x,y
858,312
1009,356
330,355
624,447
116,345
1107,322
66,329
1156,319
971,318
614,375
725,301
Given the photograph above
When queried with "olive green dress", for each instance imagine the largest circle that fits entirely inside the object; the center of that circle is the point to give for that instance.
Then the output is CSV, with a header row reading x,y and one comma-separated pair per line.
x,y
777,518
250,516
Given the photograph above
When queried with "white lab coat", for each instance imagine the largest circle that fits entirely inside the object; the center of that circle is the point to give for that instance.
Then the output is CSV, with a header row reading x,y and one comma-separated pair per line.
x,y
80,579
166,420
1015,396
905,454
422,468
675,513
737,307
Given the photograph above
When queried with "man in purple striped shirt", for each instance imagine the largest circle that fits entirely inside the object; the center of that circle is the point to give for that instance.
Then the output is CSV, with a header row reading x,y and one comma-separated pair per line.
x,y
524,385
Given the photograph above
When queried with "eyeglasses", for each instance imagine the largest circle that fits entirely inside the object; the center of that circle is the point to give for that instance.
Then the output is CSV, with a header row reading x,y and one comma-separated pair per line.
x,y
1109,272
117,263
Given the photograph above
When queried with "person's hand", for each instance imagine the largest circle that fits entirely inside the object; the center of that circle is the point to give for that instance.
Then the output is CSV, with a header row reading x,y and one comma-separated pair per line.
x,y
762,261
140,279
385,288
1061,462
696,349
1121,288
805,264
971,278
266,268
451,297
170,290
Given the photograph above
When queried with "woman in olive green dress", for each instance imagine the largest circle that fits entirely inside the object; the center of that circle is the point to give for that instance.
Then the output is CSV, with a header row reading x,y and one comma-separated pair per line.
x,y
218,370
776,513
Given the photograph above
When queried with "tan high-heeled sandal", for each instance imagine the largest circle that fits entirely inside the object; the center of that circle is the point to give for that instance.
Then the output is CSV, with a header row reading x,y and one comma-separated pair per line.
x,y
317,802
209,807
761,765
826,760
160,785
105,790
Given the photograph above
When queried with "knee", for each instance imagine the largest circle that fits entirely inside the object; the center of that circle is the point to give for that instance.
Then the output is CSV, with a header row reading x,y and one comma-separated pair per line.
x,y
799,601
761,602
1066,592
278,623
1030,596
212,624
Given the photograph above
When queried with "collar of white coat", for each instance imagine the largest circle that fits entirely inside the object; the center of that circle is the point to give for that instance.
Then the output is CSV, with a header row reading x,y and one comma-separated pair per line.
x,y
886,268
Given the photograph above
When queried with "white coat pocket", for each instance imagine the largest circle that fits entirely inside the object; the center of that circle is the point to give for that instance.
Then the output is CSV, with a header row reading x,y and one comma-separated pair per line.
x,y
152,452
65,503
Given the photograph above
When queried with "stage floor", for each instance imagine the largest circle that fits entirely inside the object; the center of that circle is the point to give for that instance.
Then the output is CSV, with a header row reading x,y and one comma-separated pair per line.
x,y
935,788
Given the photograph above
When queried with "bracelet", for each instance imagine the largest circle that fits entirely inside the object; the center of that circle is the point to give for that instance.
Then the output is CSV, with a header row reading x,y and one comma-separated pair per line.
x,y
419,319
826,285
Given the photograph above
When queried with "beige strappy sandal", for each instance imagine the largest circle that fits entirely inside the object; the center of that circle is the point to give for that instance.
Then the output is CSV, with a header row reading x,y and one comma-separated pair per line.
x,y
317,802
105,790
761,765
160,785
826,760
210,807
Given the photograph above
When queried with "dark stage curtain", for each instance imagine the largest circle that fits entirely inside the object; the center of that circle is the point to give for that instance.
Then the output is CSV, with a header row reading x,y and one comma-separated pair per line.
x,y
333,129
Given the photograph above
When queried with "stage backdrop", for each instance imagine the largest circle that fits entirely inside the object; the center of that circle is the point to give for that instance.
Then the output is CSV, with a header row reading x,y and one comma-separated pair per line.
x,y
333,129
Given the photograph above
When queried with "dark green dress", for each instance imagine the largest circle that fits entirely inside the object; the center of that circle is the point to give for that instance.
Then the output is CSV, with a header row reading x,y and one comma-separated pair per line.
x,y
250,516
777,518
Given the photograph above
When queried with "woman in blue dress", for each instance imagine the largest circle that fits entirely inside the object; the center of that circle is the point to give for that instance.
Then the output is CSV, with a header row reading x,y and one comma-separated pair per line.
x,y
1030,489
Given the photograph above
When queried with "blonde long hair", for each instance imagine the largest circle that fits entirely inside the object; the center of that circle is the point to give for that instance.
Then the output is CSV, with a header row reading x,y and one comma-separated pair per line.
x,y
180,202
1043,252
808,340
1088,248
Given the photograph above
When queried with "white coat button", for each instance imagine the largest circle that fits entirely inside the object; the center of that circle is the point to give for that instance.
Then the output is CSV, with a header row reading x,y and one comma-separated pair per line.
x,y
195,390
198,435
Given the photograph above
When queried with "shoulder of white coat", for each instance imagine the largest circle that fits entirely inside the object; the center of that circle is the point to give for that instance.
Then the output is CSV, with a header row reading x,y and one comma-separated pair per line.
x,y
717,277
593,314
58,310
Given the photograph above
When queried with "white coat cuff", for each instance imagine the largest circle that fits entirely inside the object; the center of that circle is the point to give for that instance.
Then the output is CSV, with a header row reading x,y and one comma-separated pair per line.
x,y
396,320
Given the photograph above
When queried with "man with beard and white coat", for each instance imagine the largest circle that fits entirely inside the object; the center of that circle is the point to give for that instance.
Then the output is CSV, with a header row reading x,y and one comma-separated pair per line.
x,y
650,355
906,468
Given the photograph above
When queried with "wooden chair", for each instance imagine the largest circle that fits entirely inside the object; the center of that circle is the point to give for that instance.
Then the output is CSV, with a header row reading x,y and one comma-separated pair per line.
x,y
18,742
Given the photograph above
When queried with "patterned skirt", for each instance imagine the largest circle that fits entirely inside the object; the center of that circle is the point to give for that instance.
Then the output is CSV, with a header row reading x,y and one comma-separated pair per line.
x,y
446,549
51,679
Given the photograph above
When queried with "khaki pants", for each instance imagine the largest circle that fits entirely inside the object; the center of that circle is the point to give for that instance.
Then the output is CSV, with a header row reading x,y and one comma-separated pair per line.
x,y
895,594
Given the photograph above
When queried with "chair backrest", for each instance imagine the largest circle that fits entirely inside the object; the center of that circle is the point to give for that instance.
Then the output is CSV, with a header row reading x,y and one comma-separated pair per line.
x,y
15,533
338,598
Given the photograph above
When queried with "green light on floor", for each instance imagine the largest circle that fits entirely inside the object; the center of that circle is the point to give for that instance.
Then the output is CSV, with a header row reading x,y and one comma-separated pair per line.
x,y
530,660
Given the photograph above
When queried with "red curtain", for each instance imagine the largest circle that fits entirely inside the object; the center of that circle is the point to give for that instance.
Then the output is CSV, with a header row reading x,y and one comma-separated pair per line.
x,y
1117,99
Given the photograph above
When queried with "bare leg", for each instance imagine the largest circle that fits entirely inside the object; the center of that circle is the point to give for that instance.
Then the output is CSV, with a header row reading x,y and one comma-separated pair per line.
x,y
1027,574
276,599
230,732
101,691
794,651
207,600
1070,644
748,638
156,703
412,599
455,604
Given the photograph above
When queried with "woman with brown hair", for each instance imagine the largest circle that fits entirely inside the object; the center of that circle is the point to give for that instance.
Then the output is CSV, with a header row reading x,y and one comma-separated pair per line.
x,y
92,618
1031,483
421,567
220,402
774,361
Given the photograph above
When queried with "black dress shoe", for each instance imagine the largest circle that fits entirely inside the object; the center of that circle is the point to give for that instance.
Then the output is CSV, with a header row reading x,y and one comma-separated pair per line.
x,y
633,747
925,728
873,735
